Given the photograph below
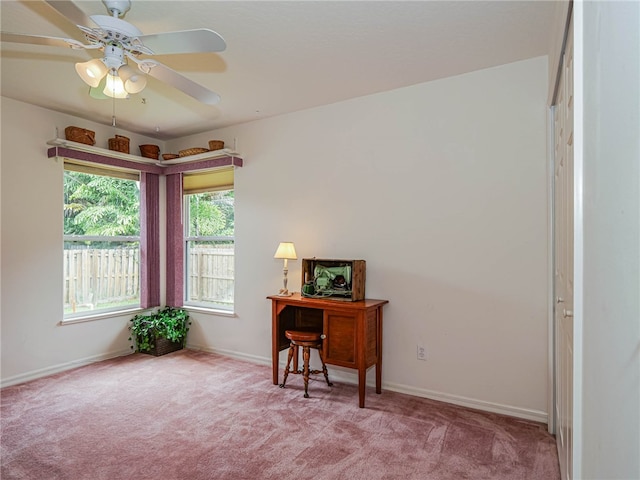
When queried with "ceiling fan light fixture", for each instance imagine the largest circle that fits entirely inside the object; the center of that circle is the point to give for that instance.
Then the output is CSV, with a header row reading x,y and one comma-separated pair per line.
x,y
114,87
121,41
134,82
98,92
91,72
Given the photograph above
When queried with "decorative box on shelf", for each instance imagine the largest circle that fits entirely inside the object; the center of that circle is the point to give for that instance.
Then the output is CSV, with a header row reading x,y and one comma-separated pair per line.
x,y
333,279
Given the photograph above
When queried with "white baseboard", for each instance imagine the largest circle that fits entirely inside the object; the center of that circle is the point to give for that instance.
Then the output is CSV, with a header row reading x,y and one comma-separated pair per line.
x,y
345,375
338,374
229,353
45,372
525,413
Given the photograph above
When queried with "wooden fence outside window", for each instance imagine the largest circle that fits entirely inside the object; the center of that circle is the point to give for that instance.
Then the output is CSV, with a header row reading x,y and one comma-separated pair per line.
x,y
211,274
106,277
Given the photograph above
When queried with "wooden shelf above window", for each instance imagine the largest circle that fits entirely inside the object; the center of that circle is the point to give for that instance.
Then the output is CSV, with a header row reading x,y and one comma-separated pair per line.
x,y
87,153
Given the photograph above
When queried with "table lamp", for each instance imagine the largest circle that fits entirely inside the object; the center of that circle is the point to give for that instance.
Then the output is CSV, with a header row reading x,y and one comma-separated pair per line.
x,y
287,251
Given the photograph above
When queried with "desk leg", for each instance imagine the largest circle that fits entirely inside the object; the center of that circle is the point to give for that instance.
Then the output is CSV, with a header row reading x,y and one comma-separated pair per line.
x,y
379,362
362,383
275,353
274,361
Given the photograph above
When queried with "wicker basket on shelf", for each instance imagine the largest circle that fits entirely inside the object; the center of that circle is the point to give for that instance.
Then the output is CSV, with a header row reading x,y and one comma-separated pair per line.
x,y
80,135
216,145
169,156
150,151
119,144
192,151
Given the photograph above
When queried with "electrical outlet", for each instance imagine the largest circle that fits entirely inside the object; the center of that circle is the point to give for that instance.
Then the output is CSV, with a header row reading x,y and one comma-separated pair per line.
x,y
422,352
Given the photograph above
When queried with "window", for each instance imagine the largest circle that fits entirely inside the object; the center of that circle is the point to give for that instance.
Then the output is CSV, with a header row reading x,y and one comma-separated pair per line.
x,y
209,251
101,240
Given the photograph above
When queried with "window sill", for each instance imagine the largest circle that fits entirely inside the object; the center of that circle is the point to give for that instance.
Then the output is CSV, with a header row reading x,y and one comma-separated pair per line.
x,y
101,316
210,311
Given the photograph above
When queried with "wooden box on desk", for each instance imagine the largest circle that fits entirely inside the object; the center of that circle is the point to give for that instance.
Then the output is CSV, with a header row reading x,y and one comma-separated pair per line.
x,y
351,293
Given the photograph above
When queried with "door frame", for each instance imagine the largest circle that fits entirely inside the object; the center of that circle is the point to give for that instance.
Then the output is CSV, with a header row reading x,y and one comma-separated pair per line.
x,y
578,232
575,10
551,356
551,260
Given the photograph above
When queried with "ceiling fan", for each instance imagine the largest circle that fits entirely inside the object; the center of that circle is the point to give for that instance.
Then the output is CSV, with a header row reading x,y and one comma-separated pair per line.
x,y
119,41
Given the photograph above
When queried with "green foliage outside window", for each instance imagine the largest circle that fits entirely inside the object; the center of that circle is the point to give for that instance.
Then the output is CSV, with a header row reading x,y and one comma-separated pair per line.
x,y
211,214
101,270
100,205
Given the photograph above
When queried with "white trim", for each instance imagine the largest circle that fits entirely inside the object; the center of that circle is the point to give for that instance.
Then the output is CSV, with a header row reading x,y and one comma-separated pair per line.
x,y
345,375
61,142
551,380
90,317
578,233
509,410
229,353
337,374
81,147
209,311
62,367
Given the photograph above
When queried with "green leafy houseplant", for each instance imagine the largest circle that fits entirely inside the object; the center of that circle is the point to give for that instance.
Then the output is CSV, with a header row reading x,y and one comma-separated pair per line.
x,y
168,323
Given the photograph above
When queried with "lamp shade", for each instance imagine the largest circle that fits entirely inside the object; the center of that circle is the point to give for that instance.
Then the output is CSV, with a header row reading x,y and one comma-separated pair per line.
x,y
91,72
286,250
98,92
114,87
134,82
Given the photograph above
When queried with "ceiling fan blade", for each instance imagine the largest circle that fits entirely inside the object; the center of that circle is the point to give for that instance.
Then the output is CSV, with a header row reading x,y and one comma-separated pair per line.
x,y
71,12
40,40
187,41
173,78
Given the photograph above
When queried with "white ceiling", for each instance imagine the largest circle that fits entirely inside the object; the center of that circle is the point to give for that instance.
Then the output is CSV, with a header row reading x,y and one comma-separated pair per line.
x,y
281,56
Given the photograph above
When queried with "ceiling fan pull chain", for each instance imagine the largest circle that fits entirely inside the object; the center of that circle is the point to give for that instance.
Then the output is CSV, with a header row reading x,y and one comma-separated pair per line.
x,y
113,113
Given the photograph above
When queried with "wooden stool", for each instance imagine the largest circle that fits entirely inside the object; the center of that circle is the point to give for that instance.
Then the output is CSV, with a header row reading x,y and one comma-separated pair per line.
x,y
306,340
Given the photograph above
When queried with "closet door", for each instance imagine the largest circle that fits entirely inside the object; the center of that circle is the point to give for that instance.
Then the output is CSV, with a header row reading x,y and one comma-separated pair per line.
x,y
563,261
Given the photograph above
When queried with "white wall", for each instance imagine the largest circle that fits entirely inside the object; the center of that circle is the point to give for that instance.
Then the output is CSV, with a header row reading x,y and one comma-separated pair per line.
x,y
33,342
441,188
611,217
556,43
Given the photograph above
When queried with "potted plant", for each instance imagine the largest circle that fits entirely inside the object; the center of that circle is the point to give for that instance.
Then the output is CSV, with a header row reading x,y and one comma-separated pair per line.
x,y
161,332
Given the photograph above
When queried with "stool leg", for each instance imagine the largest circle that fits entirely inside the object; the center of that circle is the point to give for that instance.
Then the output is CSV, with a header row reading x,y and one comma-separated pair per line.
x,y
295,359
305,371
286,371
324,367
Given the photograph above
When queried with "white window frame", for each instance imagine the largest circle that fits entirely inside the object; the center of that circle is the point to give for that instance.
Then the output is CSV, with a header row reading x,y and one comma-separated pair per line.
x,y
205,305
110,311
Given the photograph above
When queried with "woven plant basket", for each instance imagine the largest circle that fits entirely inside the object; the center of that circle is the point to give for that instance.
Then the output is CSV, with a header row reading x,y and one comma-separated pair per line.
x,y
80,135
119,144
164,346
192,151
216,145
150,151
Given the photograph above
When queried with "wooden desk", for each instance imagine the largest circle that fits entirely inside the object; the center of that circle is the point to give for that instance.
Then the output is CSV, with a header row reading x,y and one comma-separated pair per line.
x,y
353,332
